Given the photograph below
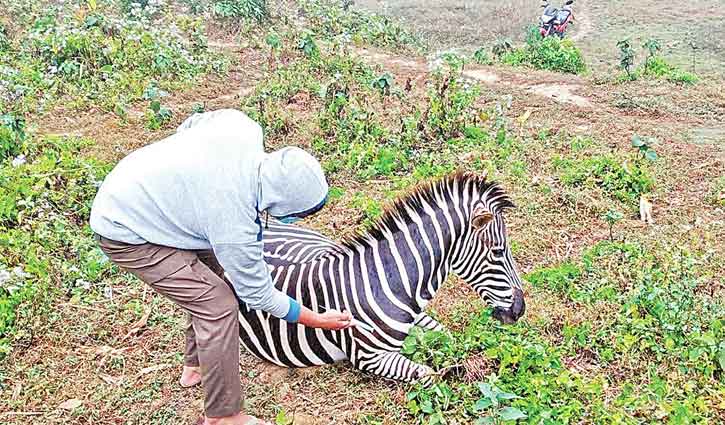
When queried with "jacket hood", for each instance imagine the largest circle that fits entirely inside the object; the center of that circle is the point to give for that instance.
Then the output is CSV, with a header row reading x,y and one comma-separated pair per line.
x,y
291,181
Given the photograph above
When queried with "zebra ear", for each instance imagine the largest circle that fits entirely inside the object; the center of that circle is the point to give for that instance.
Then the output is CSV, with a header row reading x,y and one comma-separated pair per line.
x,y
481,217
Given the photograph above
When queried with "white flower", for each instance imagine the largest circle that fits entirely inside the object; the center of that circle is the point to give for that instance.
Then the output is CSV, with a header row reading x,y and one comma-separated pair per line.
x,y
108,292
83,284
18,161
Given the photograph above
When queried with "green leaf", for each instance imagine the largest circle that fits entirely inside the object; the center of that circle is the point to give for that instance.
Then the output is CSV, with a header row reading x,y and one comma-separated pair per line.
x,y
486,390
426,407
155,106
511,414
107,69
506,396
651,155
486,420
483,404
282,418
721,358
637,141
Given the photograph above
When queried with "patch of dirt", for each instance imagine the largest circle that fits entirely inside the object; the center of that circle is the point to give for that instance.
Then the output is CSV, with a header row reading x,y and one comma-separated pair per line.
x,y
561,93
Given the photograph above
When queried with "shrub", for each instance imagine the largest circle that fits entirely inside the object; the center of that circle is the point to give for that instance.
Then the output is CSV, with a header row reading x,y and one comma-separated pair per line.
x,y
626,57
482,57
623,180
234,9
549,53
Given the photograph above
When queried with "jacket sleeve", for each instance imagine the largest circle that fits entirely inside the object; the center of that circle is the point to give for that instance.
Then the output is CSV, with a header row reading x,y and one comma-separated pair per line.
x,y
244,263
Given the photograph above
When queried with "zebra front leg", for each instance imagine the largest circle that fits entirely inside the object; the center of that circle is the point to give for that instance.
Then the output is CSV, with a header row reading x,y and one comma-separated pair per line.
x,y
393,365
424,321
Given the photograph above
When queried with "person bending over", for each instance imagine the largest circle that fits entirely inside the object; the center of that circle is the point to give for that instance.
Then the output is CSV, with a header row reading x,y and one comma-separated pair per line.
x,y
181,212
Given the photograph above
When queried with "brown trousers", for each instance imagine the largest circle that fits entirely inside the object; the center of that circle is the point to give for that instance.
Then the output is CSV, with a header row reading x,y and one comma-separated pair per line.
x,y
194,281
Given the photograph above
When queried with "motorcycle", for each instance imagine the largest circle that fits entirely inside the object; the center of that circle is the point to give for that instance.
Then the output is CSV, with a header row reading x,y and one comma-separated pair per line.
x,y
554,21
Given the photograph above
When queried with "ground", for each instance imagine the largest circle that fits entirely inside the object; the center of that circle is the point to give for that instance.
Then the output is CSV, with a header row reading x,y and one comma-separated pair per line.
x,y
117,360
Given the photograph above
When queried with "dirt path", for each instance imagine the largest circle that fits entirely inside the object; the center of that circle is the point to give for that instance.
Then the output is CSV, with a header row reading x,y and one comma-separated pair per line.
x,y
584,25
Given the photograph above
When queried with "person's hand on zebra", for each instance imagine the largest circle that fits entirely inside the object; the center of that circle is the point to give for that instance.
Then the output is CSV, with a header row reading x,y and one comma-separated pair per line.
x,y
331,319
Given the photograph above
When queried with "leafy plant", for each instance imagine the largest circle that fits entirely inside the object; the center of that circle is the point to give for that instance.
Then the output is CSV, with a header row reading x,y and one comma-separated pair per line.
x,y
331,19
383,83
97,59
481,57
626,57
653,48
624,180
308,46
501,47
12,135
644,146
256,10
612,217
549,53
157,115
492,398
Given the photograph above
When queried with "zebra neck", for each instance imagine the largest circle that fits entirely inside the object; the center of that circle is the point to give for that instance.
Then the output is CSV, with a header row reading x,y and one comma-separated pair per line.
x,y
416,255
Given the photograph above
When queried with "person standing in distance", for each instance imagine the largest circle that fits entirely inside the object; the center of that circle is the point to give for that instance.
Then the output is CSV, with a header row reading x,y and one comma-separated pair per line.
x,y
181,212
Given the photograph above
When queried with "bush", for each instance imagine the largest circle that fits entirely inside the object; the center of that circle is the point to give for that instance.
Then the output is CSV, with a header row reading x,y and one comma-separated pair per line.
x,y
625,181
549,53
101,60
234,9
329,19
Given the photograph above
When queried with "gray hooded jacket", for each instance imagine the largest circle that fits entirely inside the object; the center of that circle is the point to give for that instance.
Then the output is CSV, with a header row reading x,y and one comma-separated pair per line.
x,y
203,188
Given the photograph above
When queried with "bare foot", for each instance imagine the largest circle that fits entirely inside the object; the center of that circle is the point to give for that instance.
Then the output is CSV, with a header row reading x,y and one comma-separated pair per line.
x,y
238,419
190,376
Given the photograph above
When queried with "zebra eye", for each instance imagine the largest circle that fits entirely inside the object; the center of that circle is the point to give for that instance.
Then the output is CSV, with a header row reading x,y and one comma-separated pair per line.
x,y
498,252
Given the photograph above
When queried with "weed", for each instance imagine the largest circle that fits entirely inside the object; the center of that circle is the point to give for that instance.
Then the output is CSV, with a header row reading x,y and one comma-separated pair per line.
x,y
12,135
549,53
481,57
330,19
612,217
653,47
622,179
501,47
97,59
235,9
44,203
626,57
644,146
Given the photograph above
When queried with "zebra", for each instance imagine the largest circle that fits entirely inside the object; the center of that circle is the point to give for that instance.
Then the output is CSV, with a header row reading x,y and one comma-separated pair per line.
x,y
386,275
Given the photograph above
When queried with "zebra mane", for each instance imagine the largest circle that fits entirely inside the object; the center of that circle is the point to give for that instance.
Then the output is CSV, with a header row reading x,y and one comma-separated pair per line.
x,y
397,210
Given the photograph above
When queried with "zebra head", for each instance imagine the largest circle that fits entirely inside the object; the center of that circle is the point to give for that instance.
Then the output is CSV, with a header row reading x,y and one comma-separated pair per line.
x,y
484,259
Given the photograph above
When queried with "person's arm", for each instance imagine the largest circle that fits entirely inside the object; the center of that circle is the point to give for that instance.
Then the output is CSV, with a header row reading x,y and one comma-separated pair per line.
x,y
253,284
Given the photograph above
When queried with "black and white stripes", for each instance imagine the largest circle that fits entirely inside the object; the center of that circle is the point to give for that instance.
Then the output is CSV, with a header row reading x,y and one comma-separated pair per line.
x,y
386,276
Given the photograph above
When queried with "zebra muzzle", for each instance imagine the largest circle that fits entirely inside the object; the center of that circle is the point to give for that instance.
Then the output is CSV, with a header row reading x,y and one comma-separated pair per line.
x,y
510,315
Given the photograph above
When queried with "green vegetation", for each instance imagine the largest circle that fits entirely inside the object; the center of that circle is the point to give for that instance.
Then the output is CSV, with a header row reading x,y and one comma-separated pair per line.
x,y
666,335
333,20
94,58
621,179
654,65
45,200
549,53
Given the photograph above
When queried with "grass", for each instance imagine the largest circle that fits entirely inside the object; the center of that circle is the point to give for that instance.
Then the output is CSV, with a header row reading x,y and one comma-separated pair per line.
x,y
626,328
